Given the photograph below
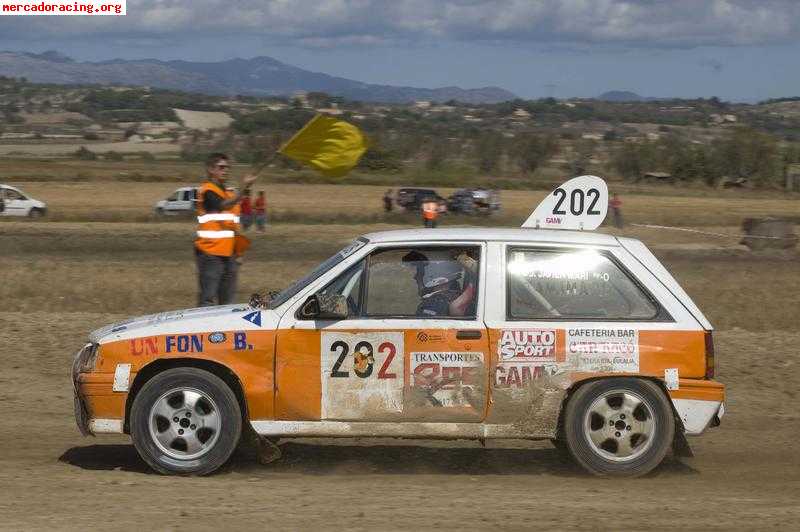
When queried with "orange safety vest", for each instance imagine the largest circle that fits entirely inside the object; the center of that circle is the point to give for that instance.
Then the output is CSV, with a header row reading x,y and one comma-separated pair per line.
x,y
217,231
430,210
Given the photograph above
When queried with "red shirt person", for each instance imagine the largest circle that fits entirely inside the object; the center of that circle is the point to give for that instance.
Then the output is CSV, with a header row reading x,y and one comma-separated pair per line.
x,y
261,211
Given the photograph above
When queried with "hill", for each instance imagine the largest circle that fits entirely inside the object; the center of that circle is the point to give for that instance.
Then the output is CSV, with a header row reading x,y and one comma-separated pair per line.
x,y
259,76
621,96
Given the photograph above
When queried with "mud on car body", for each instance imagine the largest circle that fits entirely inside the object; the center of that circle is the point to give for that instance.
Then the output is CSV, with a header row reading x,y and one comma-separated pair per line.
x,y
580,338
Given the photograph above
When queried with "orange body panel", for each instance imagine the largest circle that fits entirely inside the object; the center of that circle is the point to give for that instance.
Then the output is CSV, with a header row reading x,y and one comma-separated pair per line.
x,y
248,354
298,375
700,390
299,393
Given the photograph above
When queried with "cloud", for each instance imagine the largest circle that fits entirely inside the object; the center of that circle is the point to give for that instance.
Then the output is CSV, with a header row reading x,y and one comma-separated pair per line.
x,y
327,23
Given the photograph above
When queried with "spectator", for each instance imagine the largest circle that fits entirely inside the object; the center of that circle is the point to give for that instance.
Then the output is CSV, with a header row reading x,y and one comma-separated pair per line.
x,y
616,211
247,211
261,211
387,201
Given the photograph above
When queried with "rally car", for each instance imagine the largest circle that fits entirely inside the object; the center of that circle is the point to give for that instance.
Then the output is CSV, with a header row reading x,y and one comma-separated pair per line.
x,y
580,338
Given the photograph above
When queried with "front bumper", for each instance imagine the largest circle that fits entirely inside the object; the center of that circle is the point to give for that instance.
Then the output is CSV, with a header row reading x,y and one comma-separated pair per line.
x,y
96,405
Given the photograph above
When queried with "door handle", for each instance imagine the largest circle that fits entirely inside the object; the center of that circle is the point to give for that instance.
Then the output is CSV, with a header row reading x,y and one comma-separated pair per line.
x,y
468,335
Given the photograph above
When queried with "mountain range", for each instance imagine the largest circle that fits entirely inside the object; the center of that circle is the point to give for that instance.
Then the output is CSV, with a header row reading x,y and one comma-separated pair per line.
x,y
259,76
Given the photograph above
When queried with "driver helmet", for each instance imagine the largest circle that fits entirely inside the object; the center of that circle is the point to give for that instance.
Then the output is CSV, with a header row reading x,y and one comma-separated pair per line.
x,y
438,274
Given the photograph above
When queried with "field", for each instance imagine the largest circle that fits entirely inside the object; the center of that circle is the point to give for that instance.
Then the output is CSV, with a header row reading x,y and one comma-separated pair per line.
x,y
100,257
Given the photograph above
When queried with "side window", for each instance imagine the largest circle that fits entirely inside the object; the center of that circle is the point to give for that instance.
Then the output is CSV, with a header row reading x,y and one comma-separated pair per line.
x,y
14,195
187,195
423,282
581,284
347,284
173,197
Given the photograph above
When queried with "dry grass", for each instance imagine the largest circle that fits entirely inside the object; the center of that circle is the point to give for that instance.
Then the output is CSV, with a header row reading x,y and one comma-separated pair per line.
x,y
42,149
358,204
203,119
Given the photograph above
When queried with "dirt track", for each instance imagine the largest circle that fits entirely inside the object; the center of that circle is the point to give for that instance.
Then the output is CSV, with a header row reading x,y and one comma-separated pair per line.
x,y
745,474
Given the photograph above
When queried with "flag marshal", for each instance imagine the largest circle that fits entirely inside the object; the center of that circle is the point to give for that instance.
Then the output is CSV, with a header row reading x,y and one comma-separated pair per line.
x,y
331,146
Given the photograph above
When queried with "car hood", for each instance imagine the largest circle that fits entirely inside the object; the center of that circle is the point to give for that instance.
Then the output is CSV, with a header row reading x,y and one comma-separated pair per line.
x,y
194,320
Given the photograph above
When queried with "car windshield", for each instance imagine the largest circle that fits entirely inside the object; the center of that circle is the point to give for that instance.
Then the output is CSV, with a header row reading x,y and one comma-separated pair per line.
x,y
316,273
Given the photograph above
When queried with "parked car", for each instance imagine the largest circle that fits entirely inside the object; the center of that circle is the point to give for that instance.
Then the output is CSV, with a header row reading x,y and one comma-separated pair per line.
x,y
17,203
181,202
475,333
474,201
411,199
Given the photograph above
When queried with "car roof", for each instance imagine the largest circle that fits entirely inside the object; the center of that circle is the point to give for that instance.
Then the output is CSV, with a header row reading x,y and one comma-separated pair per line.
x,y
494,234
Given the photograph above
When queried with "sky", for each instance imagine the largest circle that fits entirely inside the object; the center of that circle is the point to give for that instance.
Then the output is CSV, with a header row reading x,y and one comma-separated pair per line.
x,y
737,50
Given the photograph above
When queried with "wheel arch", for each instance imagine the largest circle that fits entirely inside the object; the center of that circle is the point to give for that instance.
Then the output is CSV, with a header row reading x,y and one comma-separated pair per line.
x,y
159,366
679,428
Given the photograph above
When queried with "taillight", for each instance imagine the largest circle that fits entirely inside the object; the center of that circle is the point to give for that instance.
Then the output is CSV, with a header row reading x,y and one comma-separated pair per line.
x,y
709,355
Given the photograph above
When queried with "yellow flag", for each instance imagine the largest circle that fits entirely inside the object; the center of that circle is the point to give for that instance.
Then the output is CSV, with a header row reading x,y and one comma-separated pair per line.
x,y
331,146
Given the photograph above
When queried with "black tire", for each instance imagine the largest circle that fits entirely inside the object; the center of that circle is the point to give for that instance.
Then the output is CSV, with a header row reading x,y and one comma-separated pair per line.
x,y
35,213
160,213
608,437
158,443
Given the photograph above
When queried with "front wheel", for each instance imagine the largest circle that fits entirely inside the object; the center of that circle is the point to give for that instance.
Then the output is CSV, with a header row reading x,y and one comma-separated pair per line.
x,y
619,427
185,421
35,213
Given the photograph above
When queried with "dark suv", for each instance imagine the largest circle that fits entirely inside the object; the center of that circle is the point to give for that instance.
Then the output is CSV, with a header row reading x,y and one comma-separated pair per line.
x,y
411,198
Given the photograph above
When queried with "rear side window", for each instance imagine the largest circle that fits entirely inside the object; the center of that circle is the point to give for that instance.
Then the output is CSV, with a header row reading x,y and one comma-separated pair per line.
x,y
570,285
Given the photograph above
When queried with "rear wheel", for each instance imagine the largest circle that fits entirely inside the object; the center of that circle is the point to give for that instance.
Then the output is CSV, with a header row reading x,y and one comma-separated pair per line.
x,y
185,421
619,427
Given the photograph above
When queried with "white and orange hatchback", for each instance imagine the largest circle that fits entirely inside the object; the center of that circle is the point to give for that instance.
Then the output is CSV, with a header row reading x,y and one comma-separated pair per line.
x,y
581,338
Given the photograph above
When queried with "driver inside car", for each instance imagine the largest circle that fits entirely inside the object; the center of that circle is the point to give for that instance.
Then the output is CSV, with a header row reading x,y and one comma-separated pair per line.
x,y
443,285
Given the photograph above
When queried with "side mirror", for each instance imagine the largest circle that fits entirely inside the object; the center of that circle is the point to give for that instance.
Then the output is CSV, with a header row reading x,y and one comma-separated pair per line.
x,y
327,307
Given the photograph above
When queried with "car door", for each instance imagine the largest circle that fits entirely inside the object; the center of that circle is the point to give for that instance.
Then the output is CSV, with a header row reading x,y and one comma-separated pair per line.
x,y
391,358
171,202
16,204
186,203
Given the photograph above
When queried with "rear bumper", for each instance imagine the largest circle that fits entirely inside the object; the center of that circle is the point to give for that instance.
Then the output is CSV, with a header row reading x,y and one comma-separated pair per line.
x,y
700,404
698,416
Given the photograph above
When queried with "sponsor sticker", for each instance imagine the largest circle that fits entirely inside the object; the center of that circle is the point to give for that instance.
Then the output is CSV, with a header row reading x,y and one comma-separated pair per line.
x,y
531,344
423,336
520,375
183,343
217,337
524,355
362,374
253,317
143,346
447,378
603,349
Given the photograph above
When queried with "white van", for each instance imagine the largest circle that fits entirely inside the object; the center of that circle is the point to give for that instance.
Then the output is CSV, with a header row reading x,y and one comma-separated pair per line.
x,y
14,202
181,202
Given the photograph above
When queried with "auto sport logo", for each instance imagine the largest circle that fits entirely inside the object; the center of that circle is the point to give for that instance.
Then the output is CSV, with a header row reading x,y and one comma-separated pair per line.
x,y
528,344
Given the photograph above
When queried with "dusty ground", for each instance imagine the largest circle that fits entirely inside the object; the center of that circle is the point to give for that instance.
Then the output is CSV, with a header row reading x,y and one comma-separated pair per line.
x,y
60,280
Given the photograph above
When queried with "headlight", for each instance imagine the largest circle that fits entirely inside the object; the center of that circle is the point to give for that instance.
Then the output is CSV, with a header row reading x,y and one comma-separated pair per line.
x,y
85,360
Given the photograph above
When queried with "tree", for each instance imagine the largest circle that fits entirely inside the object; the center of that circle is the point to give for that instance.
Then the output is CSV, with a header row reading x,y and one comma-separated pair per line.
x,y
488,150
751,155
84,154
531,150
437,154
